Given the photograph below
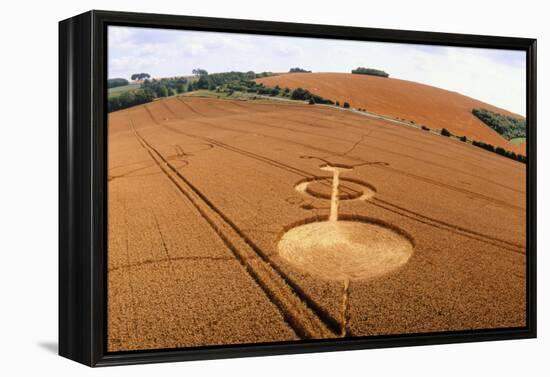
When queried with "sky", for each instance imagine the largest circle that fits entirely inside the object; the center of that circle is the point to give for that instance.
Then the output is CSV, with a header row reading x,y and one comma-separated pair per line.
x,y
497,77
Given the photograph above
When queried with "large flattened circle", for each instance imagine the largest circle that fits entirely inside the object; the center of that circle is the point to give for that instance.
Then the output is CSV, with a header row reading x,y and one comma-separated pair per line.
x,y
340,250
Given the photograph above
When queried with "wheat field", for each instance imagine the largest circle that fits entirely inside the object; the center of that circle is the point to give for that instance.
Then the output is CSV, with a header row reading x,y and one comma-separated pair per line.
x,y
211,203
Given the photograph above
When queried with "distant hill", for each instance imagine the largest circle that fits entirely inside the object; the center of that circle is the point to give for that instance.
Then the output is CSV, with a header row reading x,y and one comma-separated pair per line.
x,y
422,104
116,82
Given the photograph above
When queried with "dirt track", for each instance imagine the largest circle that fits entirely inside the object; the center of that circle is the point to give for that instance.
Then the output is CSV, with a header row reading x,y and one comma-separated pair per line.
x,y
201,191
423,104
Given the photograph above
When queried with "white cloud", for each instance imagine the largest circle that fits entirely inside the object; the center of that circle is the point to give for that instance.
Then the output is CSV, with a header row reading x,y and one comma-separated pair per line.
x,y
287,49
137,64
472,73
122,37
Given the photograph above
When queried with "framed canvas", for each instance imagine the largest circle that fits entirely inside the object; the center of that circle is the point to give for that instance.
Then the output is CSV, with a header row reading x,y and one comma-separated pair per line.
x,y
239,188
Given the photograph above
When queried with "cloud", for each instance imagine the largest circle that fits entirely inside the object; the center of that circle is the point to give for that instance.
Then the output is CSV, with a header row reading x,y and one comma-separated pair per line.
x,y
137,63
122,37
287,49
473,72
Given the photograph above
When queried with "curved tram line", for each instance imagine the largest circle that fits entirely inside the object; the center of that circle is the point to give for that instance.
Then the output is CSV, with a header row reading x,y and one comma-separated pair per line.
x,y
302,315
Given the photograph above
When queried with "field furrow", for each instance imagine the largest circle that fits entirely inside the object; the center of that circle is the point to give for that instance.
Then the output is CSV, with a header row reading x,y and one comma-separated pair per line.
x,y
304,321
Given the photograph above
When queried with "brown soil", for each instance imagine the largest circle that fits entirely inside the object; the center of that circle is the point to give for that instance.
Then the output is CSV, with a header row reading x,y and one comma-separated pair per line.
x,y
423,104
201,192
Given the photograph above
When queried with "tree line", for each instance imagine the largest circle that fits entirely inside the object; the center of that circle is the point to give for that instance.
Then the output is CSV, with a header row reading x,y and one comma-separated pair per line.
x,y
113,83
229,82
369,71
298,70
483,145
507,126
148,91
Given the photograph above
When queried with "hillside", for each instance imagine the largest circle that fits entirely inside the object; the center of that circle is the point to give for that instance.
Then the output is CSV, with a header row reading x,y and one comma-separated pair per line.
x,y
423,104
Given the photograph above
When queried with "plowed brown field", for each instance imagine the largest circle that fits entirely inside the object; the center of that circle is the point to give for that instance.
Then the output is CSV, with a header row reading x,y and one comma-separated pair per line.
x,y
201,192
423,104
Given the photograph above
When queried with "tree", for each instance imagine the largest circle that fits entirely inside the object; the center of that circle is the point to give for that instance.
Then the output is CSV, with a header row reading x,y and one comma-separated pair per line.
x,y
140,76
445,132
181,88
500,151
346,105
130,98
483,145
203,82
298,70
300,94
162,91
200,72
263,74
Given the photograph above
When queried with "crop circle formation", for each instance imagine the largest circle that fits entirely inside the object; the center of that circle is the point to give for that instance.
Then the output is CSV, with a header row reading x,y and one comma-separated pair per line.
x,y
340,250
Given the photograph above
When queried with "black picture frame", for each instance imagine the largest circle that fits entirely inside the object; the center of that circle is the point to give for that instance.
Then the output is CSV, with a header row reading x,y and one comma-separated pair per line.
x,y
83,185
